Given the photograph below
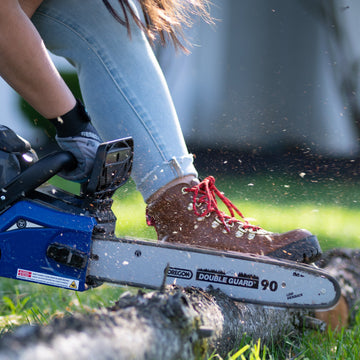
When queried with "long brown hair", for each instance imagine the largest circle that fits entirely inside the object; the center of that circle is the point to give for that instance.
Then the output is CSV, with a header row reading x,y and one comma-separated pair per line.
x,y
164,18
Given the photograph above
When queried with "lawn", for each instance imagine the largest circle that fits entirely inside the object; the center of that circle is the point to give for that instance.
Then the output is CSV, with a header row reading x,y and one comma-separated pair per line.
x,y
329,207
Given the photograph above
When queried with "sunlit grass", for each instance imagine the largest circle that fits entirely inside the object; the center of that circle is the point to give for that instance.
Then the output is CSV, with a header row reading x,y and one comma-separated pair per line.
x,y
28,303
333,345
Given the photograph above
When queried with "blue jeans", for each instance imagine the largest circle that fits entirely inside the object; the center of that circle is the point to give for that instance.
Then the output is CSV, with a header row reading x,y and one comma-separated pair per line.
x,y
122,85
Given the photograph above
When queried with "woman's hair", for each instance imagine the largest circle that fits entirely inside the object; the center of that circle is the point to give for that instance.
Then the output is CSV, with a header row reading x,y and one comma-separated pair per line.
x,y
164,18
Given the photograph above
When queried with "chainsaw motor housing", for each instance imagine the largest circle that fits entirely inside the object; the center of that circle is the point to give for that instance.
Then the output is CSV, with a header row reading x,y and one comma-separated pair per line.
x,y
46,233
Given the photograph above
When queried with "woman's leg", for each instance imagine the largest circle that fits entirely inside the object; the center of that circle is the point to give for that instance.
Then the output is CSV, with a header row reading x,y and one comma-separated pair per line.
x,y
122,85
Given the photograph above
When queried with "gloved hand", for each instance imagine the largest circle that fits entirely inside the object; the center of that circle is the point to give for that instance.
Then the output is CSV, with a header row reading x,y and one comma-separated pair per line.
x,y
76,134
83,146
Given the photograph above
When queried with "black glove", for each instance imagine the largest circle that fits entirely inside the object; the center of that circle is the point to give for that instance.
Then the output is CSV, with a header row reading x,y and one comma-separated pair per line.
x,y
76,134
16,155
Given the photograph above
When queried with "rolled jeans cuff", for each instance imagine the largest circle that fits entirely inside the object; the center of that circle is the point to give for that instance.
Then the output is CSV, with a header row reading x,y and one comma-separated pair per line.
x,y
161,175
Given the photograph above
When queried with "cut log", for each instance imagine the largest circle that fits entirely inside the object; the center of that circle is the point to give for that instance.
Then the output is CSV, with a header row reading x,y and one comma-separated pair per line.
x,y
174,324
177,324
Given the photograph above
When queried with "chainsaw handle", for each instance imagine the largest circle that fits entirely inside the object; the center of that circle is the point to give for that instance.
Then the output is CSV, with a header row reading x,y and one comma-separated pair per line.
x,y
36,175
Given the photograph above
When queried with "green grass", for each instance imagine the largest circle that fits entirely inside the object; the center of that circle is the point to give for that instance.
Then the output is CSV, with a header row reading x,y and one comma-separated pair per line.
x,y
330,208
342,344
26,303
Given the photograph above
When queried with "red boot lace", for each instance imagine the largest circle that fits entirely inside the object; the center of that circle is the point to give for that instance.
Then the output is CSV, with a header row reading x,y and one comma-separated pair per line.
x,y
205,193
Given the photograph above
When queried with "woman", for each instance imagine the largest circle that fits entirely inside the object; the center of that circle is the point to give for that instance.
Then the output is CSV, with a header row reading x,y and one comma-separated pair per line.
x,y
126,95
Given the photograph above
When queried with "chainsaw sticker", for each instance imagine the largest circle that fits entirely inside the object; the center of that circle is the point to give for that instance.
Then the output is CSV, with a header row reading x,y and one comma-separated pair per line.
x,y
218,277
23,224
180,273
47,279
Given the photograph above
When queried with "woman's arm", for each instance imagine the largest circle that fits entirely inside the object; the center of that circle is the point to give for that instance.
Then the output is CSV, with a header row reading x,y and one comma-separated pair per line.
x,y
25,63
29,6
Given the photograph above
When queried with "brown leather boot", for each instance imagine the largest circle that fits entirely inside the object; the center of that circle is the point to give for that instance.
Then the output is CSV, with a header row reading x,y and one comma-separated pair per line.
x,y
190,215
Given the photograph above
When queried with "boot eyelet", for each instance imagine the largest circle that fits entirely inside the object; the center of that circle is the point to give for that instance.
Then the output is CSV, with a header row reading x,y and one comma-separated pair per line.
x,y
241,229
252,233
183,191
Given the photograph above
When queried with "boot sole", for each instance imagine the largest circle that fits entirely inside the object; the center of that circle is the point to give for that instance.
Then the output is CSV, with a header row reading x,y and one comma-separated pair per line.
x,y
306,250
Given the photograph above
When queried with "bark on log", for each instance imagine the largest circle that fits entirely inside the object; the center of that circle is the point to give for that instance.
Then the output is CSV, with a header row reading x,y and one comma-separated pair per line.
x,y
176,324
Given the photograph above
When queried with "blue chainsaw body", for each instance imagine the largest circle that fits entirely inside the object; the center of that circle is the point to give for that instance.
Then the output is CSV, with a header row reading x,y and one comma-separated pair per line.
x,y
29,230
46,233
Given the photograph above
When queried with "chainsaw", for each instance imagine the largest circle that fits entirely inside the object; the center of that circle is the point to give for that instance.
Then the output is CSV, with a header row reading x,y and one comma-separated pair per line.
x,y
53,237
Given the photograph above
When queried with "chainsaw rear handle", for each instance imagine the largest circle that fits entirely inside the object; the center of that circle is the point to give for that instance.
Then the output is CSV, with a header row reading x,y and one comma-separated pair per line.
x,y
36,175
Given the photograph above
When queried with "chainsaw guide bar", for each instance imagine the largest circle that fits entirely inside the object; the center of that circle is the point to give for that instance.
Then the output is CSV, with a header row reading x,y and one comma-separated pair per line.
x,y
246,278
